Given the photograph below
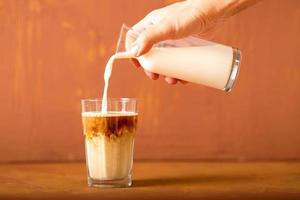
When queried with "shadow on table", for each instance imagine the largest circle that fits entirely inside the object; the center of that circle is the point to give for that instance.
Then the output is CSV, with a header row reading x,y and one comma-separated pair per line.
x,y
193,180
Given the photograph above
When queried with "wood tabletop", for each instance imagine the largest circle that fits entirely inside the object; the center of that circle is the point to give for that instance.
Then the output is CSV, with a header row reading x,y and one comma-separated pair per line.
x,y
156,180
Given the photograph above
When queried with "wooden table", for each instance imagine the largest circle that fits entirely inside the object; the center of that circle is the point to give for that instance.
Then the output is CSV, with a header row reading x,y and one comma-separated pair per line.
x,y
156,180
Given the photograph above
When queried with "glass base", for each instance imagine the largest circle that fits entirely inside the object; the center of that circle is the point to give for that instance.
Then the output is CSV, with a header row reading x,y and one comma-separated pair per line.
x,y
125,182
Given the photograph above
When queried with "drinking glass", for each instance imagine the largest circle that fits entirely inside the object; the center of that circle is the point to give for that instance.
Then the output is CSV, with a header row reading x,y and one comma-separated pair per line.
x,y
109,141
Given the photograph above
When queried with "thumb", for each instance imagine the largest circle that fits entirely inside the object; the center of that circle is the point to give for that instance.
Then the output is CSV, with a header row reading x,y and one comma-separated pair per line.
x,y
151,35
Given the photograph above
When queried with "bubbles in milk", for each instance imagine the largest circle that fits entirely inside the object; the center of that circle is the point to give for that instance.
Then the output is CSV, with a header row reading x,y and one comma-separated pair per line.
x,y
107,73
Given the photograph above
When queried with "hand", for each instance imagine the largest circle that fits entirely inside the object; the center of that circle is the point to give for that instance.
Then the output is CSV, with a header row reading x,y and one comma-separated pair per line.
x,y
179,20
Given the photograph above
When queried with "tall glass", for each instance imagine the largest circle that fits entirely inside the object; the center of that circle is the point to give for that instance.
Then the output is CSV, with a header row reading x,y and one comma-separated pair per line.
x,y
109,141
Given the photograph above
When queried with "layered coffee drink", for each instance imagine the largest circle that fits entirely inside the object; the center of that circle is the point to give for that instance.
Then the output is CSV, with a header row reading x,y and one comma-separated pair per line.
x,y
109,141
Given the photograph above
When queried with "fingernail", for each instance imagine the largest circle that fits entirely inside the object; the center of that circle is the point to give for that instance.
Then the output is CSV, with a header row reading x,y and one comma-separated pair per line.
x,y
134,49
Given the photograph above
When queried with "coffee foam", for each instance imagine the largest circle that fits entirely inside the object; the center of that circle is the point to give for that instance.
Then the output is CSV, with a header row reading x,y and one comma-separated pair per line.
x,y
108,114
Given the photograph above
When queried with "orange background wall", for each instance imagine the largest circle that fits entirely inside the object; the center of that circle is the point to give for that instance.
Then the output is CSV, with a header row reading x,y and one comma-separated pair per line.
x,y
53,53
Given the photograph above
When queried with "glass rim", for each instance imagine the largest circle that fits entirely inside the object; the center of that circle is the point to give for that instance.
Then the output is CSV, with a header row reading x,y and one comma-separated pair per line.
x,y
122,99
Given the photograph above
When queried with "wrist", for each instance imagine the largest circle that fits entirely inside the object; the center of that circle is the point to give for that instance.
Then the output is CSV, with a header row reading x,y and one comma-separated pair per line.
x,y
221,8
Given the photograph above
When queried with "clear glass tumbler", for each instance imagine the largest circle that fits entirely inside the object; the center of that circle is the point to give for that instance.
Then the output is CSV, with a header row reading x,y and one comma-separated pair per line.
x,y
109,141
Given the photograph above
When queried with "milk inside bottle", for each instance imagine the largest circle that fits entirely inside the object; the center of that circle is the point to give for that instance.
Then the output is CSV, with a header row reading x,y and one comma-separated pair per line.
x,y
191,59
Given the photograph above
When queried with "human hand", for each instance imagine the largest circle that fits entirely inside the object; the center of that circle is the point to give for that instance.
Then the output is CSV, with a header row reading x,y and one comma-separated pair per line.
x,y
179,20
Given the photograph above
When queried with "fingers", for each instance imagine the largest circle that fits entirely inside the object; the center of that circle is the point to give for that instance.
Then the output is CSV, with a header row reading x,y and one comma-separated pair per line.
x,y
151,35
134,32
135,62
142,24
173,81
151,75
183,82
146,33
170,80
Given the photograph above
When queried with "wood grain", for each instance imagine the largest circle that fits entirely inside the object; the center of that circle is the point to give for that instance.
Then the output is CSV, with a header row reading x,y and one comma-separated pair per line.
x,y
156,180
53,53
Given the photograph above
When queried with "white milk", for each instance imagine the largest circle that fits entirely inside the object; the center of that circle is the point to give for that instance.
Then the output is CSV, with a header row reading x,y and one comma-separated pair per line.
x,y
209,65
107,74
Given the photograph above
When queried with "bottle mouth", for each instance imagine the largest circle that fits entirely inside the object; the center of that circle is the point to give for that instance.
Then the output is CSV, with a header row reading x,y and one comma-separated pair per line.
x,y
125,32
234,70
